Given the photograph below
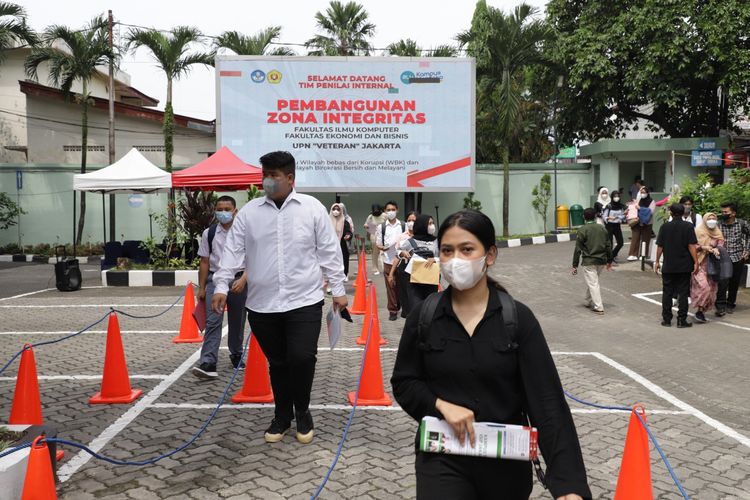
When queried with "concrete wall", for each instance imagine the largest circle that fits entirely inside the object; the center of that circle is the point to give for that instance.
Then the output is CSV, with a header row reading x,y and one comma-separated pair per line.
x,y
47,196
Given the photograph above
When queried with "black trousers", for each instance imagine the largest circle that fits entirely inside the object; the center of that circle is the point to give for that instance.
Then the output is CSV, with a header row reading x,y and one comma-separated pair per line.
x,y
345,256
290,342
675,285
615,230
471,478
727,293
402,277
418,292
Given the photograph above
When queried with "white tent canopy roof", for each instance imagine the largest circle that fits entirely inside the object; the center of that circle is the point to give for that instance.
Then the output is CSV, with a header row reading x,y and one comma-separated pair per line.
x,y
132,173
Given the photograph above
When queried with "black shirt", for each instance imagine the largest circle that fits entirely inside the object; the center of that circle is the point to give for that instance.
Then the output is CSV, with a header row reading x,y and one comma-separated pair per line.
x,y
675,237
491,376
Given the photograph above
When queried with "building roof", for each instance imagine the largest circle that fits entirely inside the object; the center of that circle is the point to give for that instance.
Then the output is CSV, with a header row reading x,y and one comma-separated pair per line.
x,y
642,145
140,112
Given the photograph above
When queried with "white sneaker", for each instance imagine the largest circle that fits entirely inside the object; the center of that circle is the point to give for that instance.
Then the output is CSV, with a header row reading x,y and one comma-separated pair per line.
x,y
632,258
376,273
346,279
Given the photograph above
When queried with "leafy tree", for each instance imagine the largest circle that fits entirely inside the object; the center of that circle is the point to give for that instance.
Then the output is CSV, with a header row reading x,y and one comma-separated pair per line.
x,y
13,28
708,196
505,46
73,55
663,62
345,31
253,192
257,44
172,55
443,50
404,48
541,196
9,212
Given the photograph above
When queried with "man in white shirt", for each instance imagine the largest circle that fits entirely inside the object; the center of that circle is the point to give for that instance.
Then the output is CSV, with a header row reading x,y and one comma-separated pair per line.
x,y
210,250
283,241
388,236
690,216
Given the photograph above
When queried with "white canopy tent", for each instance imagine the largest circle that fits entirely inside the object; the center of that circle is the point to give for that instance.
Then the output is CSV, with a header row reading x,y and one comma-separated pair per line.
x,y
132,173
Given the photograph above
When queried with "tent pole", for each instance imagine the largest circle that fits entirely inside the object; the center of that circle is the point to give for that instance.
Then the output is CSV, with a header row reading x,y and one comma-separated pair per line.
x,y
75,199
104,219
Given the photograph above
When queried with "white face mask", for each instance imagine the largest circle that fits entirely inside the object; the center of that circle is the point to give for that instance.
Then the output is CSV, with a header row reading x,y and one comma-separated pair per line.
x,y
391,214
410,225
712,223
431,229
463,274
335,213
616,198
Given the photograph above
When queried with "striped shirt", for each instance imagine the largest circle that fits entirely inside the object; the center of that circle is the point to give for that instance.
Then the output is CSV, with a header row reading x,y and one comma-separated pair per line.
x,y
737,238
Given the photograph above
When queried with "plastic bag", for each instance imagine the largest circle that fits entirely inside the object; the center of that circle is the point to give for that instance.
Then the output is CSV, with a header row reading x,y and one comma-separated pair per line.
x,y
333,321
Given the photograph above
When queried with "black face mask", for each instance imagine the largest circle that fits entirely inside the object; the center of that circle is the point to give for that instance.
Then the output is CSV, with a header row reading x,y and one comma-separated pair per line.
x,y
724,217
377,213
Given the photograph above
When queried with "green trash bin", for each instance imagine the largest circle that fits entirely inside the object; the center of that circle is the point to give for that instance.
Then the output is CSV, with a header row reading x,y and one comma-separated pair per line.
x,y
576,215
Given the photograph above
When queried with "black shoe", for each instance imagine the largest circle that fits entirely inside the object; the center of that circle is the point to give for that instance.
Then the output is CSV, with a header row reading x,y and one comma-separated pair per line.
x,y
205,371
664,322
720,312
700,317
276,431
305,428
237,362
730,309
393,316
683,323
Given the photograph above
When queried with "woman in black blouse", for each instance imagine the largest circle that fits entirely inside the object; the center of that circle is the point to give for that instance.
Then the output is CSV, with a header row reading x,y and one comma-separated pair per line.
x,y
466,368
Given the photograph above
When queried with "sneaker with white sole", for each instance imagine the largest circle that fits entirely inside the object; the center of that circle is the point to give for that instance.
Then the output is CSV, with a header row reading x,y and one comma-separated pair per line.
x,y
276,431
205,371
631,258
376,273
305,428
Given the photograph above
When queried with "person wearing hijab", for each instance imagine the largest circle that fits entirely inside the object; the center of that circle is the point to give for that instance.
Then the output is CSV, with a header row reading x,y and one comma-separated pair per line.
x,y
642,231
602,201
398,272
702,287
343,232
614,216
424,244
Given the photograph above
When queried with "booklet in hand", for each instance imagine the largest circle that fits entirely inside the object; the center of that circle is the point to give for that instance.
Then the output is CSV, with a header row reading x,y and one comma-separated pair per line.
x,y
199,314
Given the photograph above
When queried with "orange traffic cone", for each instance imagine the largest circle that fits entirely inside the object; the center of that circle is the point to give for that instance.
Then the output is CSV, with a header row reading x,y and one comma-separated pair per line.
x,y
363,257
27,406
115,379
634,481
372,310
360,293
257,385
189,332
39,483
371,391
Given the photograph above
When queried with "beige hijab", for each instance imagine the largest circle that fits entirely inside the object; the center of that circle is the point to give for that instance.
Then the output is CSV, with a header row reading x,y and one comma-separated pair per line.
x,y
338,222
705,235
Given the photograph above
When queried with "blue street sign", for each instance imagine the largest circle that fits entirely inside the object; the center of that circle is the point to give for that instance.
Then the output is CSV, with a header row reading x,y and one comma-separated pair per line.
x,y
706,158
19,180
704,145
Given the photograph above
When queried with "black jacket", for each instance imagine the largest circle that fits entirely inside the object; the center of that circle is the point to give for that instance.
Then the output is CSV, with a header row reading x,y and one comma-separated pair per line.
x,y
498,381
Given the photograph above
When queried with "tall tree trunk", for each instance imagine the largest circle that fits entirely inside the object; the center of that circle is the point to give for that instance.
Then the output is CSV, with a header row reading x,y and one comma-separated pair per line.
x,y
84,150
506,190
168,151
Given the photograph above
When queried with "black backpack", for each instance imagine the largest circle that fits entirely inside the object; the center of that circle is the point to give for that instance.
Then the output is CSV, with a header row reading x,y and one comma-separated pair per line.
x,y
211,235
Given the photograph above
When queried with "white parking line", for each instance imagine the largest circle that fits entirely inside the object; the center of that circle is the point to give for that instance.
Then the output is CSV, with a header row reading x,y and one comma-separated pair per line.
x,y
644,296
70,467
87,331
87,377
342,349
711,422
200,406
73,306
26,294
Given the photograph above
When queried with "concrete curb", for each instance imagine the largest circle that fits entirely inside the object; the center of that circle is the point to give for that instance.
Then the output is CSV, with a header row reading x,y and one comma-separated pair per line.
x,y
41,259
537,240
179,277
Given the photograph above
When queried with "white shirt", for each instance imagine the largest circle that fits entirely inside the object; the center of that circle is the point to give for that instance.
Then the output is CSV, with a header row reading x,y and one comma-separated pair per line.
x,y
283,252
392,232
687,218
217,247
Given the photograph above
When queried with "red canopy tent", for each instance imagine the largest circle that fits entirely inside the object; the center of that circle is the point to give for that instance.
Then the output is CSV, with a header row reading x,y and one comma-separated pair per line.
x,y
222,171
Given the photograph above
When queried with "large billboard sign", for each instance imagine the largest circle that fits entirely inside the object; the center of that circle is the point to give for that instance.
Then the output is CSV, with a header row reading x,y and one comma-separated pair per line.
x,y
353,123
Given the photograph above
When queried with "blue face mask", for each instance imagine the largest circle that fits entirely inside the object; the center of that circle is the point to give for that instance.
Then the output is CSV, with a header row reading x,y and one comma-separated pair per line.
x,y
224,217
270,186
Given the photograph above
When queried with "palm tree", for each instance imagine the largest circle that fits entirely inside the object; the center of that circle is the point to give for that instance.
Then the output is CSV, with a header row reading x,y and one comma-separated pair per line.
x,y
13,28
172,56
505,45
404,48
253,45
345,31
73,55
443,51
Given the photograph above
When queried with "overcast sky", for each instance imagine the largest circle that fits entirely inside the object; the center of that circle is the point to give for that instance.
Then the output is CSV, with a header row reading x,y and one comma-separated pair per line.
x,y
429,22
